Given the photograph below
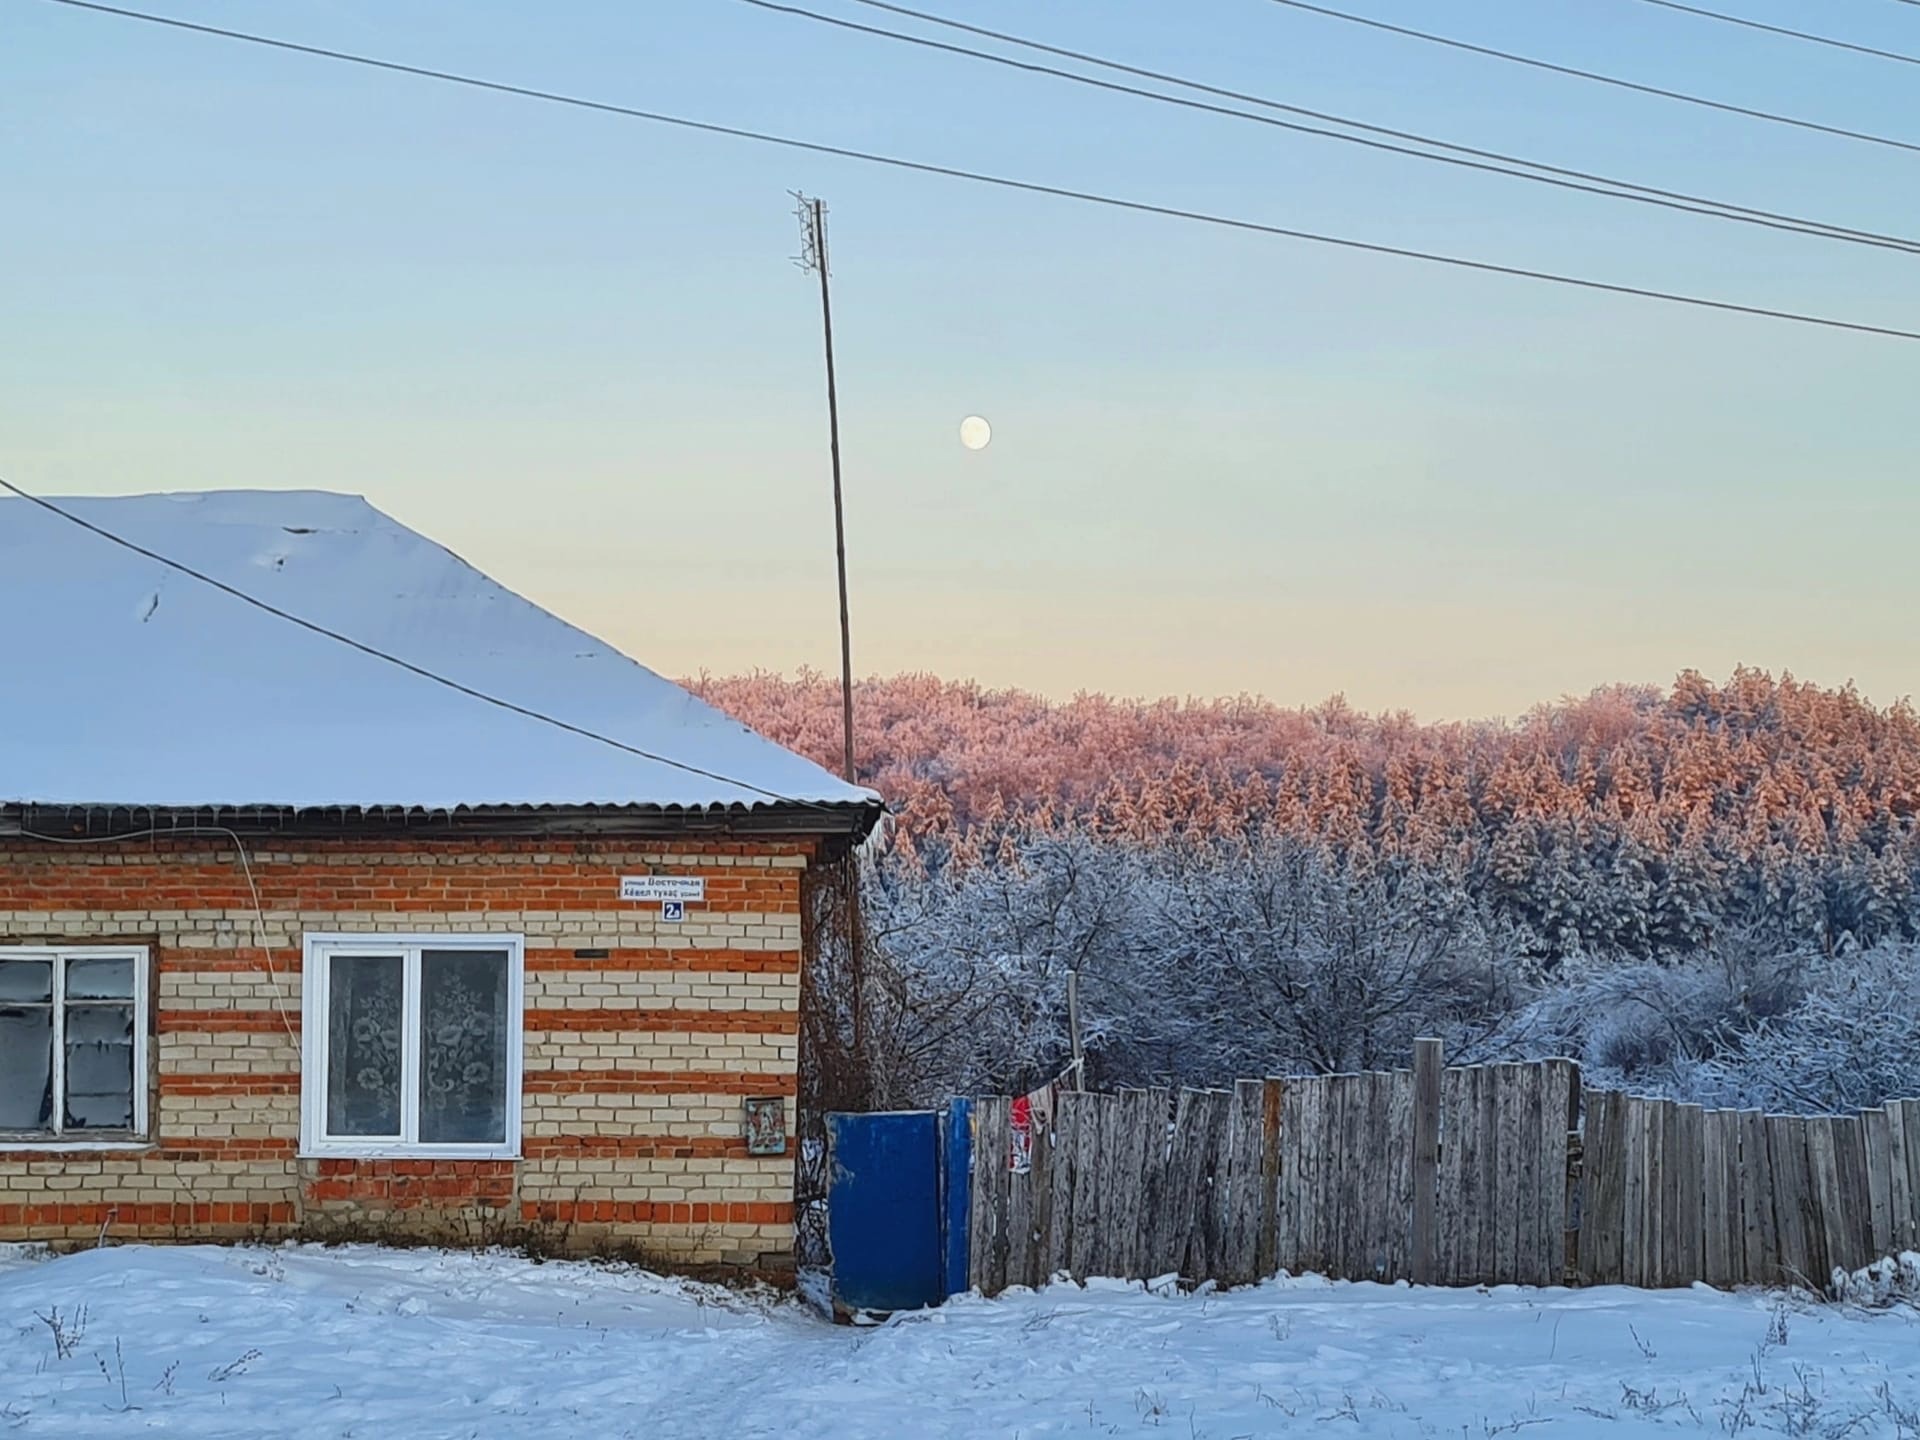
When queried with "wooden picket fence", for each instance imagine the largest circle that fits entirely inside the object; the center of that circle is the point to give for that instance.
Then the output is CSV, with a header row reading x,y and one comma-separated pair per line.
x,y
1675,1193
1453,1176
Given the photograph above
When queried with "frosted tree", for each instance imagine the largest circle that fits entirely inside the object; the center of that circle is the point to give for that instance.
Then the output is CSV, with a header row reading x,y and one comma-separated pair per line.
x,y
1849,1041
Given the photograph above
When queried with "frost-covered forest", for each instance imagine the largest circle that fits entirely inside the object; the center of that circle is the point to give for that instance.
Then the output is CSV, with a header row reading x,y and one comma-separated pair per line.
x,y
1712,891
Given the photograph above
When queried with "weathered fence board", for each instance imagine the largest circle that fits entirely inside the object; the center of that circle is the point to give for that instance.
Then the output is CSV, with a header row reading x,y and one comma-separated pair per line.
x,y
1350,1178
1169,1223
1477,1135
1910,1121
1529,1245
1721,1141
1661,1179
1209,1202
1272,1098
1633,1190
1334,1199
1464,1123
1366,1255
1018,1229
1759,1202
998,1128
1903,1201
1327,1199
980,1195
1599,1245
1488,1266
1690,1198
1900,1207
1110,1244
1064,1140
1286,1161
1878,1138
1547,1124
1316,1156
1143,1126
1506,1173
1086,1182
1787,1152
1423,1121
1829,1203
1191,1221
1850,1152
1247,1172
1449,1219
1401,1184
1559,1121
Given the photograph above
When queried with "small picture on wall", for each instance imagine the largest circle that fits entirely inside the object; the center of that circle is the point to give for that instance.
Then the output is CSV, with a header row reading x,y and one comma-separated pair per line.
x,y
766,1125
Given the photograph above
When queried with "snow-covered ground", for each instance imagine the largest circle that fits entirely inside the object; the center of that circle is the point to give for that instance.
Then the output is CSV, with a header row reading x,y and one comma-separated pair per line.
x,y
364,1342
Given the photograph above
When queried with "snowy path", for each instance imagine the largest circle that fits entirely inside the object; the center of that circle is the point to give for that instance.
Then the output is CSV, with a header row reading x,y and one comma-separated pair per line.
x,y
303,1342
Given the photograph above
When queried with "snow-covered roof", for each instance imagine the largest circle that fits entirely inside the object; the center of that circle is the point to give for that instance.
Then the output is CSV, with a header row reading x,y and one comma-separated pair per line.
x,y
125,683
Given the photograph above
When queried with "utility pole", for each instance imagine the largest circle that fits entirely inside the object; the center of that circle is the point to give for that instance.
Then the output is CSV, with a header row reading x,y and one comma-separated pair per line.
x,y
813,257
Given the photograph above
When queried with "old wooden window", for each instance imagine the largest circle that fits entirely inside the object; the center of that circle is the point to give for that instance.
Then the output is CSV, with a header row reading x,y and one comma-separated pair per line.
x,y
73,1044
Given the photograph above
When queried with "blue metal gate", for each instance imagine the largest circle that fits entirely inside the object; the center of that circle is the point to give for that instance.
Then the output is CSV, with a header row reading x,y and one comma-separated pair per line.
x,y
897,1207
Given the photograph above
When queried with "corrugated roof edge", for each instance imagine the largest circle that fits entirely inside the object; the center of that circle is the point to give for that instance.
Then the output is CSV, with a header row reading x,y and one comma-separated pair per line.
x,y
855,821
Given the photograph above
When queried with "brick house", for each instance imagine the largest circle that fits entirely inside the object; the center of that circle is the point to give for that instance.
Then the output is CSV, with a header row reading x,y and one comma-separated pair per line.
x,y
294,940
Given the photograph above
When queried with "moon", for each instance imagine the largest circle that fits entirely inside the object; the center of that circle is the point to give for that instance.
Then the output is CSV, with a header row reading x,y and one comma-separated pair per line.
x,y
975,433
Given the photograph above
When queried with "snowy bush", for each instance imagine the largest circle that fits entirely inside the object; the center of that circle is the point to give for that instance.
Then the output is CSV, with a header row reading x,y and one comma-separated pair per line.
x,y
1657,1027
1886,1282
1850,1040
1201,960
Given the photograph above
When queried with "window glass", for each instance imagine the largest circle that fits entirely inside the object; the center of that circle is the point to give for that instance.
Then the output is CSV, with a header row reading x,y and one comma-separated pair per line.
x,y
26,1066
364,1045
100,979
99,1073
463,1046
28,980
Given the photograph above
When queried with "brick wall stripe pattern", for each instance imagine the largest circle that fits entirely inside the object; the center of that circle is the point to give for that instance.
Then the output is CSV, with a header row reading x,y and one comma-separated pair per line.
x,y
641,1040
186,1082
668,1022
213,1020
544,954
661,1082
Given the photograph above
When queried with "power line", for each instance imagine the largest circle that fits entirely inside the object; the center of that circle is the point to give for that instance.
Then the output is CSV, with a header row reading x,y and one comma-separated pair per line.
x,y
1749,24
1351,123
1029,187
395,660
1772,117
1603,186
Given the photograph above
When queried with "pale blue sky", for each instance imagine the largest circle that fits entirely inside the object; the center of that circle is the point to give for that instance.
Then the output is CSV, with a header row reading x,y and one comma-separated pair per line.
x,y
572,348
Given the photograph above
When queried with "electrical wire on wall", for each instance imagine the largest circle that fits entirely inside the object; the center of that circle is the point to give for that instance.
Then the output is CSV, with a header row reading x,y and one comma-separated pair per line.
x,y
246,869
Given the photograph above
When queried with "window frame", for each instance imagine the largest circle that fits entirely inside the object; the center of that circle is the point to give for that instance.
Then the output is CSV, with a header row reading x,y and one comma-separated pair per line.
x,y
58,1138
317,953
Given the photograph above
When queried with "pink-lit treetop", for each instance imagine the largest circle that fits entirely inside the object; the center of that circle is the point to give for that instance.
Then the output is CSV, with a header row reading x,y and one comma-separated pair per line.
x,y
1756,768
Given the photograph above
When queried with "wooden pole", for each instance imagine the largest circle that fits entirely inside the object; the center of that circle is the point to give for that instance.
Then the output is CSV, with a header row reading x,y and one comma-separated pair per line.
x,y
813,257
813,221
1073,1030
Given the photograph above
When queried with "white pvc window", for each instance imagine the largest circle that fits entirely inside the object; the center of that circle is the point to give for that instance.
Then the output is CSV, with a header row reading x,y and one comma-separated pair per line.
x,y
411,1046
73,1044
